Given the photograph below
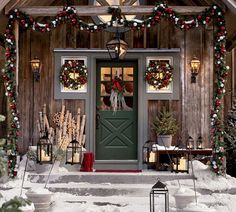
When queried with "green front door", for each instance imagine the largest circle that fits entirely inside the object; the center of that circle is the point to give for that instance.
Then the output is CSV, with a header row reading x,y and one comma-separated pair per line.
x,y
116,131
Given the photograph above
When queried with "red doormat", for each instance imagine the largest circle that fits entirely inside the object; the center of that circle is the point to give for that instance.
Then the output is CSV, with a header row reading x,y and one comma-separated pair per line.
x,y
121,171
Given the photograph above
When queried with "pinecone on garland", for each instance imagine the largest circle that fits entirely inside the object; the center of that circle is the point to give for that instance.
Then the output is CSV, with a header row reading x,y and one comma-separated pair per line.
x,y
230,140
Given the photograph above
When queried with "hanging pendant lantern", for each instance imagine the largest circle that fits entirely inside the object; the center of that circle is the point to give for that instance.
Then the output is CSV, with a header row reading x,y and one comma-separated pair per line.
x,y
117,48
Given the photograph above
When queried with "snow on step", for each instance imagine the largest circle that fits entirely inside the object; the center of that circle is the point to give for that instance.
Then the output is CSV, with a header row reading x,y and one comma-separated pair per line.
x,y
148,177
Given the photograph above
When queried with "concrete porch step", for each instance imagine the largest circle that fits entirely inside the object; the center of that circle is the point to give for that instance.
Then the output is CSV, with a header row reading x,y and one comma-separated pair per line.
x,y
105,189
145,177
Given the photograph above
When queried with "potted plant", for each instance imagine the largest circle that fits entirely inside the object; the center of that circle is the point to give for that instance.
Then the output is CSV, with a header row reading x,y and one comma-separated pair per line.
x,y
165,125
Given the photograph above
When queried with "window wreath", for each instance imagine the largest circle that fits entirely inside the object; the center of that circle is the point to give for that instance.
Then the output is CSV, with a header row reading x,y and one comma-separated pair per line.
x,y
73,75
159,75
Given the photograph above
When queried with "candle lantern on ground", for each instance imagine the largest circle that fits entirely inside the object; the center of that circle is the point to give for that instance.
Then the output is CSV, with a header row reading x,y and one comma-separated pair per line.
x,y
158,194
148,155
199,142
44,150
74,153
181,162
190,143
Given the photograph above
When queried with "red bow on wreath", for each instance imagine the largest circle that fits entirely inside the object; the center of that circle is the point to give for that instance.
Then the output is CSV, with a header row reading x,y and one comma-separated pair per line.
x,y
117,84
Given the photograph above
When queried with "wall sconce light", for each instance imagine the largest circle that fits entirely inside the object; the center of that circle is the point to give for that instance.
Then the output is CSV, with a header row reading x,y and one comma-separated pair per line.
x,y
36,68
195,67
117,48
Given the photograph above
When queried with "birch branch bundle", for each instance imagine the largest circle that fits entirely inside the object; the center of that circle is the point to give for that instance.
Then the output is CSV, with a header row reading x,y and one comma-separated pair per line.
x,y
43,125
70,128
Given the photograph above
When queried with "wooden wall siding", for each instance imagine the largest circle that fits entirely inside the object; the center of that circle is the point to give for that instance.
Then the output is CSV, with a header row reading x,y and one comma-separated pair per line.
x,y
230,83
32,94
193,108
197,97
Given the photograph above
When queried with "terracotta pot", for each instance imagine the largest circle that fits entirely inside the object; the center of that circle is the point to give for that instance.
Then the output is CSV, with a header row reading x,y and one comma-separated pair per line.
x,y
164,140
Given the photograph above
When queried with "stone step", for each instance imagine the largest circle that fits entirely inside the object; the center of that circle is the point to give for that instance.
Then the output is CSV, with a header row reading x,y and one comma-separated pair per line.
x,y
145,177
106,189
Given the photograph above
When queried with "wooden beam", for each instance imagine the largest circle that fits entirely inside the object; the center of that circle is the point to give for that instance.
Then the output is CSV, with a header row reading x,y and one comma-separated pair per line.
x,y
102,10
3,3
16,4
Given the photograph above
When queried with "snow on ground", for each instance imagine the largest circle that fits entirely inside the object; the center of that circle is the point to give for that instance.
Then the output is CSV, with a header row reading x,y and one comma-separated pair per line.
x,y
217,193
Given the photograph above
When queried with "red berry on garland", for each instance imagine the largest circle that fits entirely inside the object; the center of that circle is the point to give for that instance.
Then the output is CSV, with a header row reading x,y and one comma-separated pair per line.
x,y
73,21
217,103
22,22
13,106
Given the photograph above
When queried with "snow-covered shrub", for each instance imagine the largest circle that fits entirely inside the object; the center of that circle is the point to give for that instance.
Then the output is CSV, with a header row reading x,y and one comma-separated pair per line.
x,y
14,204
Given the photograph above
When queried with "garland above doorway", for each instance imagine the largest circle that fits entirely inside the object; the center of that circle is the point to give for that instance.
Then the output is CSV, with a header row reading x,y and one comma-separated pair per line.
x,y
68,15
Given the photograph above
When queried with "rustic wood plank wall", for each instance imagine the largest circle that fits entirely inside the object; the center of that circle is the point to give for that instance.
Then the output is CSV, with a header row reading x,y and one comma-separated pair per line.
x,y
193,108
32,94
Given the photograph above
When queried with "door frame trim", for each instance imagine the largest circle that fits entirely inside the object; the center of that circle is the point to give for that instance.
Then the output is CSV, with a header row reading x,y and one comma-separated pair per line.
x,y
90,97
140,128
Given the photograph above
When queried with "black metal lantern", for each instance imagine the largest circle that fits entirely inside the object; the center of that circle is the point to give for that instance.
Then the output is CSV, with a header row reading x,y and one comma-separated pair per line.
x,y
73,153
149,156
181,162
159,190
199,142
190,143
195,68
44,150
117,48
36,68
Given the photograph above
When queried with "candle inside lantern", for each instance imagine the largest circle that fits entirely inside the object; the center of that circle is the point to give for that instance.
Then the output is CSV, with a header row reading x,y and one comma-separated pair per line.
x,y
182,164
76,158
152,157
42,154
46,158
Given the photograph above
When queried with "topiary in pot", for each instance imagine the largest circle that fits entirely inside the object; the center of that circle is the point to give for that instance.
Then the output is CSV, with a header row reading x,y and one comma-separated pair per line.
x,y
165,125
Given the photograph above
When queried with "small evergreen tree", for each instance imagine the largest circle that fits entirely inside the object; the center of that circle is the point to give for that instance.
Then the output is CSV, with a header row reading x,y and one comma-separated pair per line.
x,y
165,123
230,141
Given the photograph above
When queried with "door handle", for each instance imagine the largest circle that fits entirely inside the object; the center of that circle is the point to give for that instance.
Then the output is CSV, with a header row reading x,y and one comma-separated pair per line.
x,y
97,120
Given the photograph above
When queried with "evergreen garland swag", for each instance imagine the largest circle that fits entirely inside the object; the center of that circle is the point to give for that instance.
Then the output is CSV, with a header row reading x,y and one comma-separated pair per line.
x,y
161,10
73,75
159,75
